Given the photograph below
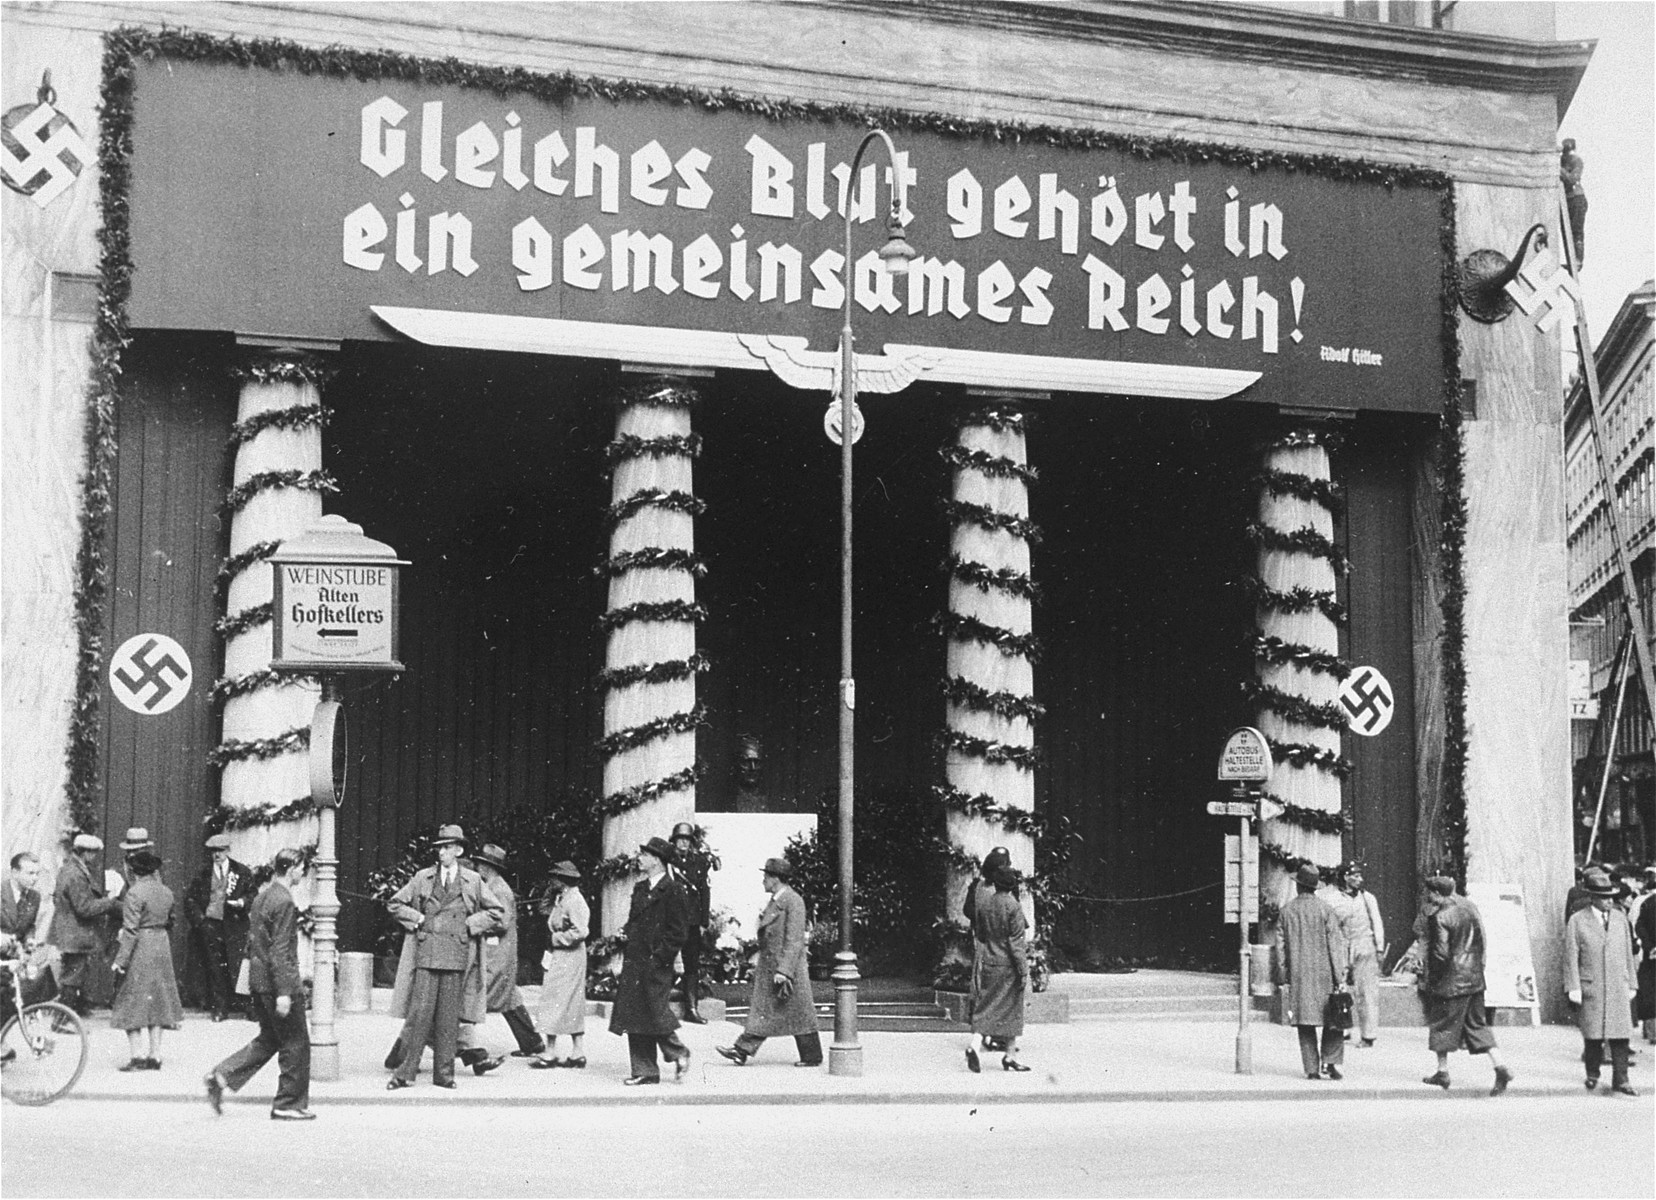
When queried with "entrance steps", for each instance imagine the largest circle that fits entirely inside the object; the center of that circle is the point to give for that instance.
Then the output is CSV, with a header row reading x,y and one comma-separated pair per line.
x,y
883,1006
1149,995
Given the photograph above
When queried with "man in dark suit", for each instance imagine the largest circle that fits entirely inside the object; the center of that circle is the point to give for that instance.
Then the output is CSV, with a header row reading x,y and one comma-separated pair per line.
x,y
448,911
656,925
217,905
277,1000
79,909
19,914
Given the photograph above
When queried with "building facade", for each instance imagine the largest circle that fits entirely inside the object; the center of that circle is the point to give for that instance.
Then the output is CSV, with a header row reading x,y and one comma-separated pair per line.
x,y
1175,394
1598,613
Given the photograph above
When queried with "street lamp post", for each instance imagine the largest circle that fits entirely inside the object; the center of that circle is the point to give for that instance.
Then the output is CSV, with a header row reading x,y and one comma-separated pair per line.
x,y
845,1053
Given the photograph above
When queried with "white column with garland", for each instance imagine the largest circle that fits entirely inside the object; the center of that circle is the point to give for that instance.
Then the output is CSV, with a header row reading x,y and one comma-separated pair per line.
x,y
1297,664
651,662
278,485
989,737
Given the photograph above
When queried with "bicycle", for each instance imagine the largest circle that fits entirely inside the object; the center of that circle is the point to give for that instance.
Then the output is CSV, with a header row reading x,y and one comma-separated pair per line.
x,y
43,1048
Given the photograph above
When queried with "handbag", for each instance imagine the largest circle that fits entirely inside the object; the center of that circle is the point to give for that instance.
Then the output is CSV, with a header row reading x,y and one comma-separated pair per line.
x,y
1337,1012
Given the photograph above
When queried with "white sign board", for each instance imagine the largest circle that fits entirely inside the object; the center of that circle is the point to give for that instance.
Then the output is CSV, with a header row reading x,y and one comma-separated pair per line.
x,y
1581,678
1246,757
335,616
1584,710
1509,969
1241,879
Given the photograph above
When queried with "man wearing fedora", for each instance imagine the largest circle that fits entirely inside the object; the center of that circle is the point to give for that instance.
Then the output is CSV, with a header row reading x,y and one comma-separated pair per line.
x,y
80,906
1313,968
655,930
1599,977
500,957
782,1003
217,904
447,911
1453,983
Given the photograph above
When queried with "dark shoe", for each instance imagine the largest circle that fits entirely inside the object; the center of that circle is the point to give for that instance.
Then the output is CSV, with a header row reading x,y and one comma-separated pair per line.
x,y
1438,1079
692,1017
681,1067
1012,1064
733,1054
1590,1082
577,1064
470,1058
444,1083
134,1064
396,1085
545,1064
1502,1078
394,1056
1316,1077
152,1064
292,1114
215,1093
972,1063
813,1065
1330,1071
487,1064
1625,1089
640,1080
1366,1044
529,1053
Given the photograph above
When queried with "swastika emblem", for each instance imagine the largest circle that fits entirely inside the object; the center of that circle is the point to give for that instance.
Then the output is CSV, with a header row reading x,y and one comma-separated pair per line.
x,y
1545,288
150,674
41,151
1367,699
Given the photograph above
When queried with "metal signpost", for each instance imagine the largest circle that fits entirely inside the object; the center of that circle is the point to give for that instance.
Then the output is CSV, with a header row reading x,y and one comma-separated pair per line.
x,y
334,609
1245,763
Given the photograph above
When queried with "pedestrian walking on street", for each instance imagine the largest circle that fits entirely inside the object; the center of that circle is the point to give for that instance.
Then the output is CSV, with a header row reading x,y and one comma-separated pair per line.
x,y
692,866
1365,937
500,958
977,892
655,930
217,903
1453,983
80,907
447,912
1644,935
781,1004
146,999
1599,977
1000,967
277,1001
563,986
1313,966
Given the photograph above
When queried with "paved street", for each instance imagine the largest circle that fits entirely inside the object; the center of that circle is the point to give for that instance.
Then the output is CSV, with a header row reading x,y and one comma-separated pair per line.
x,y
1553,1146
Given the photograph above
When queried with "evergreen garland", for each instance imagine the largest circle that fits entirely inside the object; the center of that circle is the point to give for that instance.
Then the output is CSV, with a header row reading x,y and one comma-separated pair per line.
x,y
658,672
962,459
299,416
1010,818
624,801
237,563
240,750
1010,705
1027,757
966,628
1302,487
1312,818
654,559
965,512
637,735
1003,579
1454,517
1001,420
1296,600
651,610
1303,540
226,818
630,445
309,481
652,498
1274,650
1301,754
659,392
227,688
230,625
1294,708
301,369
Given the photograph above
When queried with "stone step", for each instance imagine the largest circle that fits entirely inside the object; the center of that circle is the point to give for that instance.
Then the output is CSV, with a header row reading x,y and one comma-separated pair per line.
x,y
1079,985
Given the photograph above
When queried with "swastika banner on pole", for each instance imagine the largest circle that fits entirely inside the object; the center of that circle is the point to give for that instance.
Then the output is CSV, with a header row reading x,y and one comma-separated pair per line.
x,y
150,674
1367,699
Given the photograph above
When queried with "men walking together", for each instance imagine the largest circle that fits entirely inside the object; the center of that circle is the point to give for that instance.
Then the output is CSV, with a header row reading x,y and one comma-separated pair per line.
x,y
277,1001
782,1003
656,926
1454,983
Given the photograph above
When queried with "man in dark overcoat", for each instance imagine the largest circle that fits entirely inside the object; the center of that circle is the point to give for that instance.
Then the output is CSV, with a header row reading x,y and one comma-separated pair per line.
x,y
448,911
1599,974
1453,983
693,867
217,903
277,1000
656,925
80,907
1313,966
782,1003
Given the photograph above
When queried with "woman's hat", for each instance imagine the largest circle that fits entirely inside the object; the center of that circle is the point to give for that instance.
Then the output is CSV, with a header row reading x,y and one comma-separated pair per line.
x,y
143,862
662,850
494,855
566,870
137,838
1308,876
1599,883
449,834
779,867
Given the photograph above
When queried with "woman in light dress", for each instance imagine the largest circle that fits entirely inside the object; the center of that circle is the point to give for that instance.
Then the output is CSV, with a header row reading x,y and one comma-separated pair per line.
x,y
146,1000
563,990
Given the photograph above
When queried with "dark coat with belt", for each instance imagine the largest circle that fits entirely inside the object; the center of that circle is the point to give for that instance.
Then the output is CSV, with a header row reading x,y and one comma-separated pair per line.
x,y
657,924
782,950
238,894
18,917
1454,949
273,943
445,930
79,909
1598,962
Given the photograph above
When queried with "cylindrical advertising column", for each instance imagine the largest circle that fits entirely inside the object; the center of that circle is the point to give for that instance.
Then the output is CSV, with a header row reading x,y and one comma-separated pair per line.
x,y
1296,657
650,661
277,493
989,737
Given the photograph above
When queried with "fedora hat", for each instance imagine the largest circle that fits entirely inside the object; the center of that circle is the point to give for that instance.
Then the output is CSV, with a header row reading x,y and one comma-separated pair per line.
x,y
566,870
1308,876
137,838
662,850
219,841
448,834
779,867
85,841
494,855
1599,883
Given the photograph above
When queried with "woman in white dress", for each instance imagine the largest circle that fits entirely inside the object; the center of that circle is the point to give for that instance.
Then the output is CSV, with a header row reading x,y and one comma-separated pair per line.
x,y
563,989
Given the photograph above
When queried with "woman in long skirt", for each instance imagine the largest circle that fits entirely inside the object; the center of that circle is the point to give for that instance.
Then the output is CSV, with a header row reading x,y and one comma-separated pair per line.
x,y
563,989
146,1000
1000,967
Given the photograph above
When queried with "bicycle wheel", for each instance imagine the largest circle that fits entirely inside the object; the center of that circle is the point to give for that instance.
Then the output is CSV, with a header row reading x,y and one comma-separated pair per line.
x,y
42,1053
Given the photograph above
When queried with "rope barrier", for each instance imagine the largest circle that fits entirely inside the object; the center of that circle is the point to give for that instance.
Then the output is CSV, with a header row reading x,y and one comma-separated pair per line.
x,y
1136,899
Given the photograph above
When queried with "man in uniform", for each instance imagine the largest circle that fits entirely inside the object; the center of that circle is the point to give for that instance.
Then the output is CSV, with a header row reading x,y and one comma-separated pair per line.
x,y
447,911
80,905
217,905
692,870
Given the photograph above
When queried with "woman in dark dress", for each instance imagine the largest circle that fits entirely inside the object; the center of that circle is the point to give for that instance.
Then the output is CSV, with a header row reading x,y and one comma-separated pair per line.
x,y
146,999
1000,966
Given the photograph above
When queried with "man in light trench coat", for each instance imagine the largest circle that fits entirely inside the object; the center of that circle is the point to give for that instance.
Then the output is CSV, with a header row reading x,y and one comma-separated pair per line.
x,y
782,1002
1599,977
